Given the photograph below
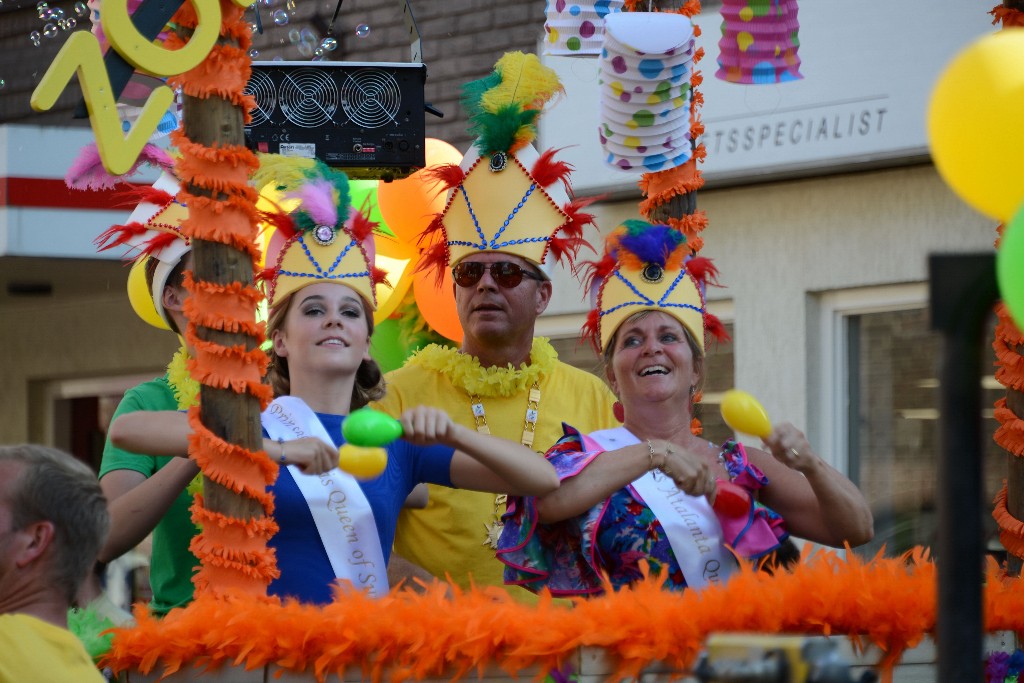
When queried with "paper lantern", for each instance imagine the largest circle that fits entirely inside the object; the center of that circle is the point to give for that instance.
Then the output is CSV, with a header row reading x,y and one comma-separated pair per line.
x,y
576,28
759,42
645,71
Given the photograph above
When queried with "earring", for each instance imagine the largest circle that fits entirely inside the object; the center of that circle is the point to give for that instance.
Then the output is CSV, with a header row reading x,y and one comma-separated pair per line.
x,y
619,411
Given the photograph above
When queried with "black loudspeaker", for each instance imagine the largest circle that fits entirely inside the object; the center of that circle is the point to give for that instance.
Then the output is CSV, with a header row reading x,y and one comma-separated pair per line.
x,y
365,118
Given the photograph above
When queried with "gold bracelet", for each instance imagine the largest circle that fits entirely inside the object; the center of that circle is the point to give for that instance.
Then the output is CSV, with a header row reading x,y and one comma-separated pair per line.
x,y
650,454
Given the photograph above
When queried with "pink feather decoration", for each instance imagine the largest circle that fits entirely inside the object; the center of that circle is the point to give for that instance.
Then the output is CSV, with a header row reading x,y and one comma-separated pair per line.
x,y
87,171
317,199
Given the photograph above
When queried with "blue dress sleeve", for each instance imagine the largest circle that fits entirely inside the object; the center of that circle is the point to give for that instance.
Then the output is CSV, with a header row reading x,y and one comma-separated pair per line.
x,y
551,556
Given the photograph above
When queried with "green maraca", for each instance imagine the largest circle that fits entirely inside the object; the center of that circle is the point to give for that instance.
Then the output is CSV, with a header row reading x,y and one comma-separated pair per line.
x,y
366,432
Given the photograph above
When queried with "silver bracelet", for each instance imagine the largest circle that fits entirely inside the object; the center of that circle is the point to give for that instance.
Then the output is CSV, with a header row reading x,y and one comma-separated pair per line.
x,y
280,442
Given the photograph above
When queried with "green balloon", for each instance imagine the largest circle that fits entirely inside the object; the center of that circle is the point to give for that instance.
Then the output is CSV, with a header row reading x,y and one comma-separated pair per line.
x,y
363,195
386,345
1010,267
369,427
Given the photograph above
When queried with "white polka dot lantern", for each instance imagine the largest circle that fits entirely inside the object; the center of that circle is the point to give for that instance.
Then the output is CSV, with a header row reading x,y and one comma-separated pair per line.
x,y
576,28
645,70
759,42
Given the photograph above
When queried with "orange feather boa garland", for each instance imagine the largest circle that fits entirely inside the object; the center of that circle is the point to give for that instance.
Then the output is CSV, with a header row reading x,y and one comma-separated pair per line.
x,y
887,602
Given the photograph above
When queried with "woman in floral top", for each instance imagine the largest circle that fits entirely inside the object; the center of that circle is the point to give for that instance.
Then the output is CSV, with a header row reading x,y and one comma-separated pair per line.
x,y
644,492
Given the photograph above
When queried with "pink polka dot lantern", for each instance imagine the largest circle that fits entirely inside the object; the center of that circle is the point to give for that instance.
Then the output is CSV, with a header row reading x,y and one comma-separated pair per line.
x,y
759,42
576,28
645,70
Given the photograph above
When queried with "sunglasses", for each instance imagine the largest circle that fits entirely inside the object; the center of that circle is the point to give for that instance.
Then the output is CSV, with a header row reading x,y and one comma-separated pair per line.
x,y
505,274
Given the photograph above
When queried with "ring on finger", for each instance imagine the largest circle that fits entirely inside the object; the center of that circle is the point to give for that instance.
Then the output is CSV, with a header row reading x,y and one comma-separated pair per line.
x,y
794,453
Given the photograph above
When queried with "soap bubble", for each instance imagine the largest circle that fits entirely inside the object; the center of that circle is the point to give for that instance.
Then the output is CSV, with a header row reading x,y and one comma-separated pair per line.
x,y
280,17
294,36
50,31
305,49
329,44
35,38
362,30
254,53
81,9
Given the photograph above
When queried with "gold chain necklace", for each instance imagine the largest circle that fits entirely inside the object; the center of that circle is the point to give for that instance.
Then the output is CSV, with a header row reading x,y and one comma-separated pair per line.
x,y
494,527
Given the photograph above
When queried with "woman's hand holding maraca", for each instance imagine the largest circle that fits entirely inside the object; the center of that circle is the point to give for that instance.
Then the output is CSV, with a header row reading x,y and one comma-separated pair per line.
x,y
310,455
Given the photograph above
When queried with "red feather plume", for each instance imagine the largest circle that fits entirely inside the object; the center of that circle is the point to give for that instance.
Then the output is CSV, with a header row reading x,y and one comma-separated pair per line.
x,y
280,221
447,175
158,242
546,171
117,235
591,330
703,270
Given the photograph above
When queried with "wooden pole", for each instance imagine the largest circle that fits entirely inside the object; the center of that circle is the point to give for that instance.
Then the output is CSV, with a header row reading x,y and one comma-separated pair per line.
x,y
214,171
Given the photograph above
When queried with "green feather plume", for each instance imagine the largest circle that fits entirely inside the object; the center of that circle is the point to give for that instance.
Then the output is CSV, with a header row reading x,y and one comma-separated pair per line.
x,y
503,107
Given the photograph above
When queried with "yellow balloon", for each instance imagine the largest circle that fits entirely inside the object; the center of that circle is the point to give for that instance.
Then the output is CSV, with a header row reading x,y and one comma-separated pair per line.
x,y
743,413
140,298
400,276
362,462
973,115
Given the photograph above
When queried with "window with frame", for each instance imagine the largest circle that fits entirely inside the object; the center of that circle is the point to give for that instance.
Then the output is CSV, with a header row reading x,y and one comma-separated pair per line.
x,y
892,426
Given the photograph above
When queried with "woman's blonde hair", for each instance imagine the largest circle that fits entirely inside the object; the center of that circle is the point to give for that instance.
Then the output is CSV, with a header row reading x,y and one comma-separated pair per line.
x,y
369,385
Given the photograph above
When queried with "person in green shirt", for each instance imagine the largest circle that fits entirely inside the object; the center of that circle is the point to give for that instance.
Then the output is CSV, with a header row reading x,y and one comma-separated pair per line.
x,y
148,494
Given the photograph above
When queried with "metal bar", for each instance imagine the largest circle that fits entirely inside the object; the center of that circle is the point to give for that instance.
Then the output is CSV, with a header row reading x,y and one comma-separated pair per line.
x,y
962,291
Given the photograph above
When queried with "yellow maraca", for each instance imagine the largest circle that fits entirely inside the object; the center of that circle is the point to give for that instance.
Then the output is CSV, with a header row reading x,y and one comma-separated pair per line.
x,y
743,413
366,432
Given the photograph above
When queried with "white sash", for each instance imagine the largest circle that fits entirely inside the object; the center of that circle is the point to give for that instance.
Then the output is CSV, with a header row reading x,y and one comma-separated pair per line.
x,y
693,530
340,510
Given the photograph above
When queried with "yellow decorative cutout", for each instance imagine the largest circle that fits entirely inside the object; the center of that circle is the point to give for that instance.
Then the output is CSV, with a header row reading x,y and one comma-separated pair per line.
x,y
81,53
151,58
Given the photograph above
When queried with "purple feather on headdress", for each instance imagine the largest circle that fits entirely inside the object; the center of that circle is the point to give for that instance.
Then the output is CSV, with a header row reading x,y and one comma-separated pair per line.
x,y
650,243
317,197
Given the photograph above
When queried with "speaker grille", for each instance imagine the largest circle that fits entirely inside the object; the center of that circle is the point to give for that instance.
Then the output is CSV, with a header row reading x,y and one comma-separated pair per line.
x,y
371,97
309,98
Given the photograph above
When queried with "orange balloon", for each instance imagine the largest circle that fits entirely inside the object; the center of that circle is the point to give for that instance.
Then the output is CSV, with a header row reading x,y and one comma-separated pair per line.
x,y
437,303
410,204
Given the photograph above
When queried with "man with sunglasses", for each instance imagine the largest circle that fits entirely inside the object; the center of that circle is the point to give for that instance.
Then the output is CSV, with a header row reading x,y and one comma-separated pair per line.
x,y
510,218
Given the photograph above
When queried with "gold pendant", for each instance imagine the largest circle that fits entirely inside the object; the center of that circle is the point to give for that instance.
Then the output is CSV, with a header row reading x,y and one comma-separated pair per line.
x,y
493,534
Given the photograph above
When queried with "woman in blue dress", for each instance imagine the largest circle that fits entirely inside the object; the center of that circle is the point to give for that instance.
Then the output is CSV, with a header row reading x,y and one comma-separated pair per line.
x,y
644,492
321,291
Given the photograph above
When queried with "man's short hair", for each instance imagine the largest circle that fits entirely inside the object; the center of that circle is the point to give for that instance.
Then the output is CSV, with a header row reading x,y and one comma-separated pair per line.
x,y
56,487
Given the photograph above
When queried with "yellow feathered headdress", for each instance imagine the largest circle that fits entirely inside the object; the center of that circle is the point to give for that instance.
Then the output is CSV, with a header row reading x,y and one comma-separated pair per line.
x,y
505,196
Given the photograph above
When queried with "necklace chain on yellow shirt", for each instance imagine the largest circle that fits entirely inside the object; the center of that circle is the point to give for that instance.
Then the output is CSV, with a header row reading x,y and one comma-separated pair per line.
x,y
465,372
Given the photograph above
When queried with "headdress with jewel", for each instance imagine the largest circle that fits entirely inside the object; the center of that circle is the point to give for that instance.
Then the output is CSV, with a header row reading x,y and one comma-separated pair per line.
x,y
505,196
649,268
153,231
322,239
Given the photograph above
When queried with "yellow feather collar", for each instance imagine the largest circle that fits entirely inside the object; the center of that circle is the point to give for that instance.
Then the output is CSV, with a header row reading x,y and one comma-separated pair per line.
x,y
183,385
465,372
